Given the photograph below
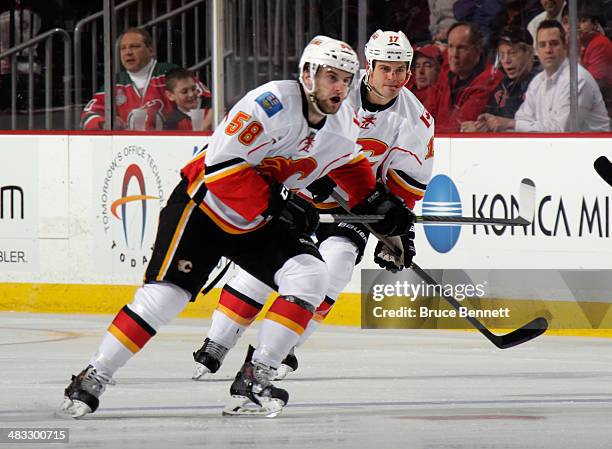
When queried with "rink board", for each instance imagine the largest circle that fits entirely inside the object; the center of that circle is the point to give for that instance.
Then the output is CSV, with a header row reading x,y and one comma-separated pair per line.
x,y
72,241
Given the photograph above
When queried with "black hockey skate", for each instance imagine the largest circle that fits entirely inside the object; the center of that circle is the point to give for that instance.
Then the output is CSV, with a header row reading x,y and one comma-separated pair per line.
x,y
252,392
288,365
81,396
208,359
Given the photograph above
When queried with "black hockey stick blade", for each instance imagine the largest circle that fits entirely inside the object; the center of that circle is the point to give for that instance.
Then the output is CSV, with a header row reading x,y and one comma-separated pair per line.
x,y
521,335
603,167
518,336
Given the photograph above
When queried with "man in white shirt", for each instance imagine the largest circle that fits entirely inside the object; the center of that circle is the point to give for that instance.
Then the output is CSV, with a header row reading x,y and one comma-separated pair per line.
x,y
547,101
552,11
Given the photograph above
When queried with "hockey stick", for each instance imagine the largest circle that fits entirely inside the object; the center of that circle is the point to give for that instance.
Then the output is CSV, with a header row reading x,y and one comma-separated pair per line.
x,y
603,167
523,334
426,219
526,211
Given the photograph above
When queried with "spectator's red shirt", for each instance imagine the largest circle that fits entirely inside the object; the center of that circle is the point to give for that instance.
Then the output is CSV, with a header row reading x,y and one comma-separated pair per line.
x,y
451,103
596,57
128,100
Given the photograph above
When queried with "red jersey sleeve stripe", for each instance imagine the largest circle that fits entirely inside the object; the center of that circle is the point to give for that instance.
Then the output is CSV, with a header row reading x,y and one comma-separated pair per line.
x,y
407,182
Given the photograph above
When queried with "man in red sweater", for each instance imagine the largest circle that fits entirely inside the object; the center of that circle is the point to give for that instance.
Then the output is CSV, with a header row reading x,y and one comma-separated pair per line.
x,y
463,88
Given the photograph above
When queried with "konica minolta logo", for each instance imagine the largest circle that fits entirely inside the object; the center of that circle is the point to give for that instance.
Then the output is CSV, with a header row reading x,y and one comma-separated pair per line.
x,y
442,198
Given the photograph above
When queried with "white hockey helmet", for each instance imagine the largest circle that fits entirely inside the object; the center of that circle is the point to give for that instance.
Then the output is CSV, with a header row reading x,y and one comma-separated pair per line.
x,y
388,46
325,51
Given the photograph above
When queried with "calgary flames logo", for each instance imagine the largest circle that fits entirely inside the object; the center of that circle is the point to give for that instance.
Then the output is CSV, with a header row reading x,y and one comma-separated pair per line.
x,y
281,168
374,147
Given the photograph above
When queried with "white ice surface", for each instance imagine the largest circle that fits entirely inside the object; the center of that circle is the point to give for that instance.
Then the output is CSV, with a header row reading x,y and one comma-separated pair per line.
x,y
354,389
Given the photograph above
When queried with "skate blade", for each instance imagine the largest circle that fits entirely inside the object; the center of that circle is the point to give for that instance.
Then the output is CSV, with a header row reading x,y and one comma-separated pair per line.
x,y
200,372
241,406
282,372
73,409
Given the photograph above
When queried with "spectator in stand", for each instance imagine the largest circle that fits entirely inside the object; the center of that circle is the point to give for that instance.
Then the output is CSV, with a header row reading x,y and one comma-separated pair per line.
x,y
552,11
595,49
515,54
547,104
441,17
425,71
188,113
463,88
141,103
489,15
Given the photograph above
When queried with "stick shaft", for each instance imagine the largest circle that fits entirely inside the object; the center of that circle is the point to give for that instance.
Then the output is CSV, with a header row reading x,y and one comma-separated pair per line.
x,y
425,219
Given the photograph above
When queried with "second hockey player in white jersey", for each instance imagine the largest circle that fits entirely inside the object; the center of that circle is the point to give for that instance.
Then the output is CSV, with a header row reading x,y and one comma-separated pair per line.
x,y
396,135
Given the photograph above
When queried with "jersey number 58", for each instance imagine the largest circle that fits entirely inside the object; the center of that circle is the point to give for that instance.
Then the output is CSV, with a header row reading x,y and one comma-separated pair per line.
x,y
249,134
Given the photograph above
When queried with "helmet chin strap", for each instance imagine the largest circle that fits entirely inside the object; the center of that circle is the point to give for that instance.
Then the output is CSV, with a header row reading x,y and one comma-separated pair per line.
x,y
311,93
313,101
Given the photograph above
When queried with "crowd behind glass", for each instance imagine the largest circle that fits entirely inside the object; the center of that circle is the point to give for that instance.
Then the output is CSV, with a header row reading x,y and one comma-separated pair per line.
x,y
479,65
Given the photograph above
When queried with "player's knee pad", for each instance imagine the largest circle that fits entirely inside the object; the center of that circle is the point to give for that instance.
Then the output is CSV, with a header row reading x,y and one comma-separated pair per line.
x,y
340,255
158,303
303,276
250,286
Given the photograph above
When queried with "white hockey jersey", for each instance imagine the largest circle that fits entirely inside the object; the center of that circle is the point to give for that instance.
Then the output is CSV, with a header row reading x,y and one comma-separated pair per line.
x,y
398,141
266,138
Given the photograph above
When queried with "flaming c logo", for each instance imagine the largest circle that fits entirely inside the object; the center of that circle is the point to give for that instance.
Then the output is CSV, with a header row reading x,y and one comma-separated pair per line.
x,y
373,146
133,171
281,168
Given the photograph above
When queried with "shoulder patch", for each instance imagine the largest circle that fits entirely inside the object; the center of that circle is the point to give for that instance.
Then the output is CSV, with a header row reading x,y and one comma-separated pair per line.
x,y
269,103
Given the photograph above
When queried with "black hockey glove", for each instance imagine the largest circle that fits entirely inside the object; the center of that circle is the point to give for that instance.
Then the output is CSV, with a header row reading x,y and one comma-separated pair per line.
x,y
293,212
386,258
398,219
321,189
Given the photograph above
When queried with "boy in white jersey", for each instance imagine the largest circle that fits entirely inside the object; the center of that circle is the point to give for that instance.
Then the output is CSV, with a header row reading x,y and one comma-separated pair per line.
x,y
236,200
396,134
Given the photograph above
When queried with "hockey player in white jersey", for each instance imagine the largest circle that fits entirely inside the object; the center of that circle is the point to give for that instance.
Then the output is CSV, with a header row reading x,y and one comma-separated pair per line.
x,y
236,200
396,134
